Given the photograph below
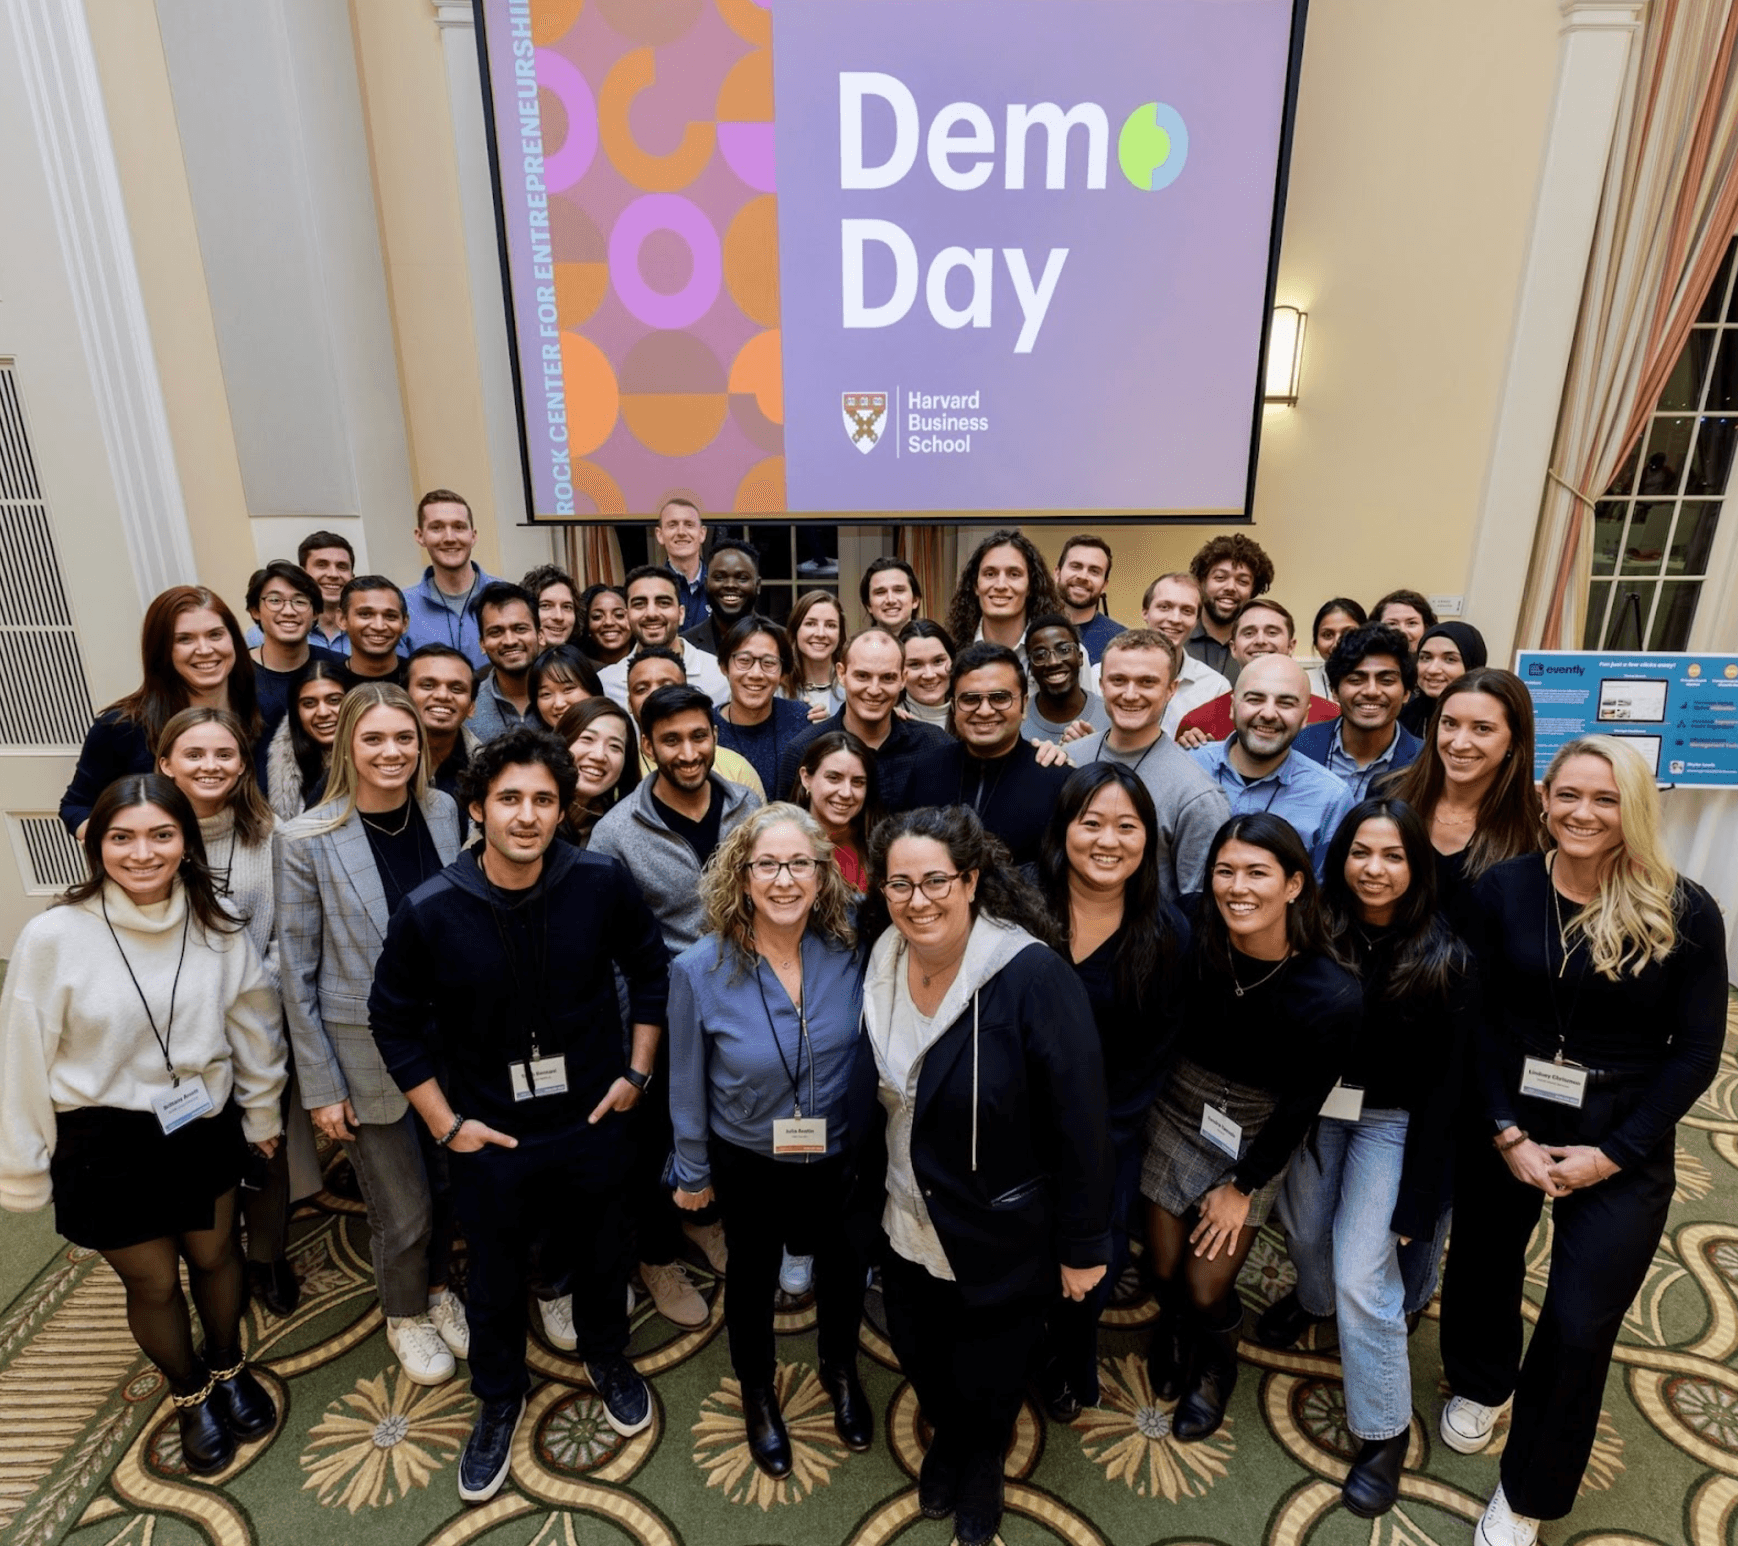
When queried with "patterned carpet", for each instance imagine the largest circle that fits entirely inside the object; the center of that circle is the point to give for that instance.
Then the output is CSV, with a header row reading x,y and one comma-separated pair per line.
x,y
88,1452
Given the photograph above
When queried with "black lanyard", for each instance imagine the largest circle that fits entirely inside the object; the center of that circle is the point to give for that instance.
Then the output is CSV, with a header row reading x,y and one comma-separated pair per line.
x,y
456,625
1554,925
162,1037
539,963
222,878
794,1075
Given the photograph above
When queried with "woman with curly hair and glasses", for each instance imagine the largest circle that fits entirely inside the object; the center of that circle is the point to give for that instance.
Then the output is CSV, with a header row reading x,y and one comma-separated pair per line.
x,y
765,1042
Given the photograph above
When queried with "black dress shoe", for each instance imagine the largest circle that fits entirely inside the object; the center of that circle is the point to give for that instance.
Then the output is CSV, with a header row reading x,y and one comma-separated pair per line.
x,y
768,1442
1373,1484
207,1445
853,1418
1060,1402
938,1481
1413,1317
978,1515
275,1285
1283,1323
240,1397
1202,1409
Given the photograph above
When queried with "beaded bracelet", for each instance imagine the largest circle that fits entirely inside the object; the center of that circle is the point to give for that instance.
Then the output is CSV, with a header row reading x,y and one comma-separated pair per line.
x,y
1515,1142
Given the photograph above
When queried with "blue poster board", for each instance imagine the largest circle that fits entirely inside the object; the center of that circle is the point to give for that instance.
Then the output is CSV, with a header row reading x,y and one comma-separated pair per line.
x,y
1680,711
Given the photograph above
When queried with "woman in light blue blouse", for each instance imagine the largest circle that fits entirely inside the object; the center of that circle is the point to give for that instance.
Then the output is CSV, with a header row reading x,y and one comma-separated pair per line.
x,y
765,1011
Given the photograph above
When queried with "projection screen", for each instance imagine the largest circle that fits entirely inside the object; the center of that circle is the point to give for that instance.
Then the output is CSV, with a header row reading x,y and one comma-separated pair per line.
x,y
890,260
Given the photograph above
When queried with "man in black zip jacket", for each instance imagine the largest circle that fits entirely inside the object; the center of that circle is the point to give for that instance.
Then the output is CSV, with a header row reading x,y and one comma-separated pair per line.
x,y
992,767
494,1007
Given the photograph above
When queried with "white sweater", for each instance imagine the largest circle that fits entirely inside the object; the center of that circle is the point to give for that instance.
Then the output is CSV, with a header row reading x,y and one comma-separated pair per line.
x,y
243,872
74,1034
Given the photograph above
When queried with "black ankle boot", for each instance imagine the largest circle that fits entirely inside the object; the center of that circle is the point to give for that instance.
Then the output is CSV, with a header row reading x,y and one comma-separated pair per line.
x,y
1373,1484
938,1480
1283,1323
767,1440
242,1399
978,1514
1201,1411
853,1418
1168,1354
207,1445
274,1284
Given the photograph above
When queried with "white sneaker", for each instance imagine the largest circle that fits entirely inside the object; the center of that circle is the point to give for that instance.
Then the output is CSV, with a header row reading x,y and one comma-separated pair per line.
x,y
1502,1526
447,1316
420,1350
796,1274
1466,1424
558,1322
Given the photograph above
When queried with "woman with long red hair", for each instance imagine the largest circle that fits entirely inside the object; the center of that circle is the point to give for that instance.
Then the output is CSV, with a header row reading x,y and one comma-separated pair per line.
x,y
192,655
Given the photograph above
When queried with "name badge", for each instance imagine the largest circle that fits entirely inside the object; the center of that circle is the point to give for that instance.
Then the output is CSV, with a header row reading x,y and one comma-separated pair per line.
x,y
1564,1083
800,1135
1219,1130
182,1103
1345,1102
548,1077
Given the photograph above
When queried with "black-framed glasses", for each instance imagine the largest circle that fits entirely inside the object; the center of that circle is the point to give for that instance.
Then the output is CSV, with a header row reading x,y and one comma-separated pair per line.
x,y
767,867
936,887
1000,699
272,601
769,664
1059,652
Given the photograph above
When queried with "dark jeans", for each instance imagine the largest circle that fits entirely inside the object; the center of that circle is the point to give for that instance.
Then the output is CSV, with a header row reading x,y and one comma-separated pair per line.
x,y
967,1363
1073,1335
656,1220
763,1200
569,1184
1603,1243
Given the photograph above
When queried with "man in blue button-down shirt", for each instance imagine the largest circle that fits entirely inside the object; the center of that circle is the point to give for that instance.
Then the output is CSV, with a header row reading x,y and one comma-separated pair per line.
x,y
1371,675
441,603
1257,768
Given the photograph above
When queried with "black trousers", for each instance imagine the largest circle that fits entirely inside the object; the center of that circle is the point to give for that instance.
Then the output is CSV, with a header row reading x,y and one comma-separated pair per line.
x,y
567,1183
764,1200
968,1363
656,1220
1603,1243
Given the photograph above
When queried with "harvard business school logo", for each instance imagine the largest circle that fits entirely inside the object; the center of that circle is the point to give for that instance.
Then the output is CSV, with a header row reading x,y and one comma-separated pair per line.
x,y
863,413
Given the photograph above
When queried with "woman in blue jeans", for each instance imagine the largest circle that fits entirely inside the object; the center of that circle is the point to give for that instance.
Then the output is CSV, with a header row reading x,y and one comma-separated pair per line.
x,y
1377,1171
1099,873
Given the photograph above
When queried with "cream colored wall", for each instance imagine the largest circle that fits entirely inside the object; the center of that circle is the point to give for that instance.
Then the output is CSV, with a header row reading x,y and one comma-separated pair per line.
x,y
147,147
1414,168
404,97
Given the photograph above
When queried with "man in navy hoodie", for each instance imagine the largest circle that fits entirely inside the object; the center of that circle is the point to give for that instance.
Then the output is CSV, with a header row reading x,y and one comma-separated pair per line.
x,y
494,1006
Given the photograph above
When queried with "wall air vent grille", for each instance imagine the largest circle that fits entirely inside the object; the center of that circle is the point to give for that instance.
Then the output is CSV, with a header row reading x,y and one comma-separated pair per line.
x,y
49,857
45,704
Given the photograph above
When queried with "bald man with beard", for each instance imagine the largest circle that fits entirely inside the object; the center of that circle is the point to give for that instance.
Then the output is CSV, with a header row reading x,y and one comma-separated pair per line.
x,y
1257,768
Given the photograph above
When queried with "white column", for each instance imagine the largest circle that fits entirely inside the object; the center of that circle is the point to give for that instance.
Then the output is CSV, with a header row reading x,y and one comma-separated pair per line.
x,y
1592,69
59,70
520,548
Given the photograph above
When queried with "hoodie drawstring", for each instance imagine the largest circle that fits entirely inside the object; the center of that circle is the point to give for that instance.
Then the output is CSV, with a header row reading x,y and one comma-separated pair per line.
x,y
974,1081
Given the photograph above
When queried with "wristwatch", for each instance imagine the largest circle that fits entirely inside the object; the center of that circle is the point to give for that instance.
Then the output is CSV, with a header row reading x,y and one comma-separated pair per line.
x,y
638,1080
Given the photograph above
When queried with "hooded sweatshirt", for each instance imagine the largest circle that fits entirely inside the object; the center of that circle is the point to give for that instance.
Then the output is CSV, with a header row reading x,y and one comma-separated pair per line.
x,y
473,979
74,1034
998,1150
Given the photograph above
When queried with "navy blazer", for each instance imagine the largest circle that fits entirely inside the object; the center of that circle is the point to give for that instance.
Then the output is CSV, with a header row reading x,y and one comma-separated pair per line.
x,y
1313,742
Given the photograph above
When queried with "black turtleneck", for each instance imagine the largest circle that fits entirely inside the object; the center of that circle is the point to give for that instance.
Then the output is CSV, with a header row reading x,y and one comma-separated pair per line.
x,y
1012,795
404,852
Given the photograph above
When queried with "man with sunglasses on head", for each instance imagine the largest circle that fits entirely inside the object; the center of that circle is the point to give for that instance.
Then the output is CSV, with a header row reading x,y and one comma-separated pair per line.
x,y
992,767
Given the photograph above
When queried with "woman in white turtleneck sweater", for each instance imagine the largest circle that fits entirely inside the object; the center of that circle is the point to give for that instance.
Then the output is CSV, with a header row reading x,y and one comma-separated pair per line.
x,y
204,752
139,1043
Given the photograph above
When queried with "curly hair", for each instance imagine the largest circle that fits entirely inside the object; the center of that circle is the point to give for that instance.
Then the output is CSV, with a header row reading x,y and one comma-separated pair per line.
x,y
522,746
729,907
964,612
1233,548
1003,893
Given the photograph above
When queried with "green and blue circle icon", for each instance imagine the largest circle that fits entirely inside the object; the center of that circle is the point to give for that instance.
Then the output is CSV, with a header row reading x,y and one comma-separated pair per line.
x,y
1152,147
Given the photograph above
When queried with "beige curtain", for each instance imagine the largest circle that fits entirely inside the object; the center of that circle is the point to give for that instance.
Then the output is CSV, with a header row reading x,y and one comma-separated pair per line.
x,y
1670,207
593,555
930,550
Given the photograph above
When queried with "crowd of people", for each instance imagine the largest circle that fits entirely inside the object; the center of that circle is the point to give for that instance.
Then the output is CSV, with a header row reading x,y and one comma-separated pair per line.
x,y
998,954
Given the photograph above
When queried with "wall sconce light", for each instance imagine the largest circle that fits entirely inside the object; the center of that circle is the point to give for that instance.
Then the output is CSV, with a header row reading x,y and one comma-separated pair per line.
x,y
1285,337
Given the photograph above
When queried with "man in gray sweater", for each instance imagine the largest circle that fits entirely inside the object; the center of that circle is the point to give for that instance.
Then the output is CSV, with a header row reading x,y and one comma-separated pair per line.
x,y
1136,676
664,833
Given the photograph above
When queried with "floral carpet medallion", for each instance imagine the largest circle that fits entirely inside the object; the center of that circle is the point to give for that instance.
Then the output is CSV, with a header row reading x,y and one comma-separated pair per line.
x,y
90,1456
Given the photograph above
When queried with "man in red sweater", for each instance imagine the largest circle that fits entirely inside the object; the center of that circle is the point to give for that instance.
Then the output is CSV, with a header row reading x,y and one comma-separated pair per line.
x,y
1261,626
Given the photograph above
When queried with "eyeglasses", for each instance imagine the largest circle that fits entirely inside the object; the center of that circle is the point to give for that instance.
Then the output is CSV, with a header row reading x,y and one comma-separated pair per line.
x,y
1001,698
278,603
768,868
1060,652
936,887
767,663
